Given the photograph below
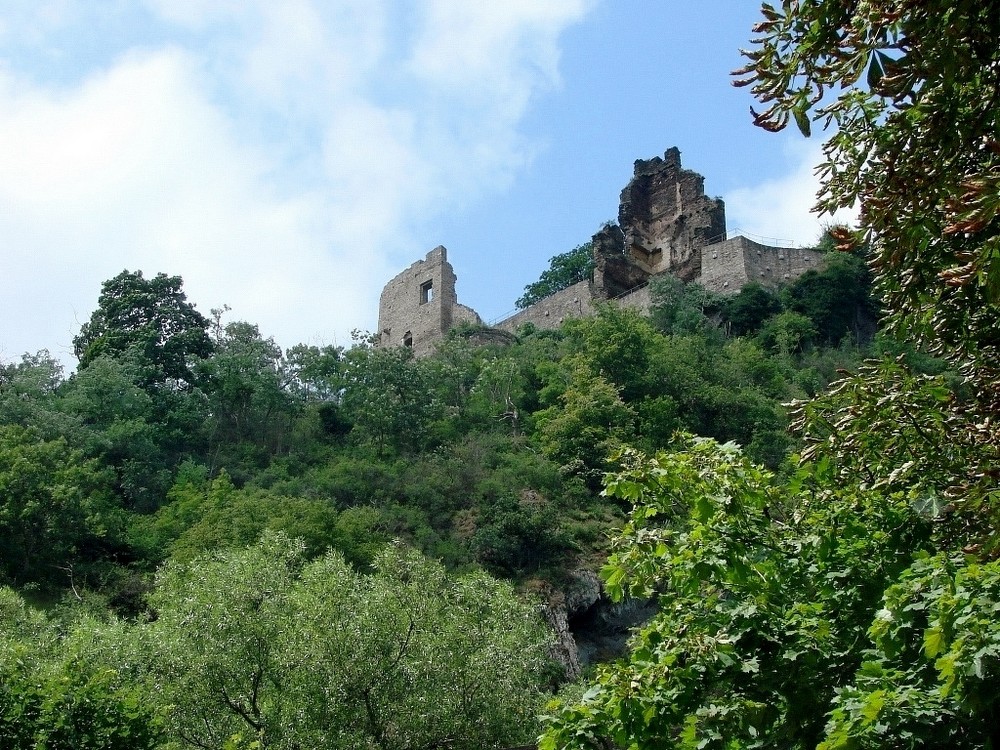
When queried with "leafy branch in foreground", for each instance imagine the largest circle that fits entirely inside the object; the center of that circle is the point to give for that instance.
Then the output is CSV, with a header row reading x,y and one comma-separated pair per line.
x,y
911,92
775,627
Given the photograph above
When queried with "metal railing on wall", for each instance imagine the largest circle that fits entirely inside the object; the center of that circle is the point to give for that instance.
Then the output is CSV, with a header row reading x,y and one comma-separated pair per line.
x,y
758,238
506,316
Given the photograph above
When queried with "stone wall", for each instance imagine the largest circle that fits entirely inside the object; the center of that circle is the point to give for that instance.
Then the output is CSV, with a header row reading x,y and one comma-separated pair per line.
x,y
726,267
576,301
615,273
639,300
772,266
420,305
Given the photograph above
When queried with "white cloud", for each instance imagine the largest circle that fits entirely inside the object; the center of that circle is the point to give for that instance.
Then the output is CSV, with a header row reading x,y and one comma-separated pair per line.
x,y
296,53
278,156
780,210
137,170
197,14
495,47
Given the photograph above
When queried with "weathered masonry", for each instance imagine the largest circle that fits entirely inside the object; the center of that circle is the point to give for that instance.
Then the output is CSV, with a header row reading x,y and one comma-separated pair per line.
x,y
666,225
420,305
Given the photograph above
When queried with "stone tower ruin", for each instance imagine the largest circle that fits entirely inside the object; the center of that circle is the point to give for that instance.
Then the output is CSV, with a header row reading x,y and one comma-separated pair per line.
x,y
664,221
420,305
667,218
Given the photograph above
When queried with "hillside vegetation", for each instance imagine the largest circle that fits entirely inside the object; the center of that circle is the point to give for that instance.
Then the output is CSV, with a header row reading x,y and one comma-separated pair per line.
x,y
192,471
209,542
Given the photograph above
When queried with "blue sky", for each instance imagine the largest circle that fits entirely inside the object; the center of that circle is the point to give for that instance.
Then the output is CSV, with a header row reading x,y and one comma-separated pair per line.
x,y
287,158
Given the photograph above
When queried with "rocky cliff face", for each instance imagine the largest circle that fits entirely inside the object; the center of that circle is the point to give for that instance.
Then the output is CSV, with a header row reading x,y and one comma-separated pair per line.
x,y
588,626
614,273
581,592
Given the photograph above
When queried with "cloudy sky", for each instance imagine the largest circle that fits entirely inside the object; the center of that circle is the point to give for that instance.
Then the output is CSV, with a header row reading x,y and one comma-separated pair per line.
x,y
287,158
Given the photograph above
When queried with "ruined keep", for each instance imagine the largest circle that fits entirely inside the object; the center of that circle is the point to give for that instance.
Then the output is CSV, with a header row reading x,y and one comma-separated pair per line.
x,y
420,305
666,225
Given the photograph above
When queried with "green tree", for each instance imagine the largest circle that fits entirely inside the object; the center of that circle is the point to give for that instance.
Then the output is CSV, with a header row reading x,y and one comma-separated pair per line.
x,y
30,397
930,675
788,333
316,372
50,700
764,590
54,505
618,344
148,322
836,298
518,535
499,391
73,711
216,644
679,307
387,397
745,312
564,270
122,429
590,421
241,518
259,644
249,388
204,515
423,659
34,379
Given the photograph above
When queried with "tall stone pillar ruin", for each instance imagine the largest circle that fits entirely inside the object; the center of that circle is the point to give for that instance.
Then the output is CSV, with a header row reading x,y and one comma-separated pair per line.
x,y
664,220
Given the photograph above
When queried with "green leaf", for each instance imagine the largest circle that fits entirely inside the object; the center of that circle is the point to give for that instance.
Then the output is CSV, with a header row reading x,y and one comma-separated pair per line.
x,y
946,673
933,642
875,71
873,706
802,120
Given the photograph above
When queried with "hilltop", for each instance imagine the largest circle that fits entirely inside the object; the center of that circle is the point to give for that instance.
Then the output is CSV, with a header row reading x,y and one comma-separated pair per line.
x,y
666,226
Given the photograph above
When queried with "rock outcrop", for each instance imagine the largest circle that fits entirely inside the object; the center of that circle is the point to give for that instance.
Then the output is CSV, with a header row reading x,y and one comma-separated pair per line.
x,y
577,596
614,273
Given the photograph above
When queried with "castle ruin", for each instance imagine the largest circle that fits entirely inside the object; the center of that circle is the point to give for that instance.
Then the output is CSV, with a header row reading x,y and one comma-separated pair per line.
x,y
666,225
420,305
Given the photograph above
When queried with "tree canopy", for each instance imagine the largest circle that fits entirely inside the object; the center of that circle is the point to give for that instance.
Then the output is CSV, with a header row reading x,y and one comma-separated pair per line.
x,y
564,270
148,321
